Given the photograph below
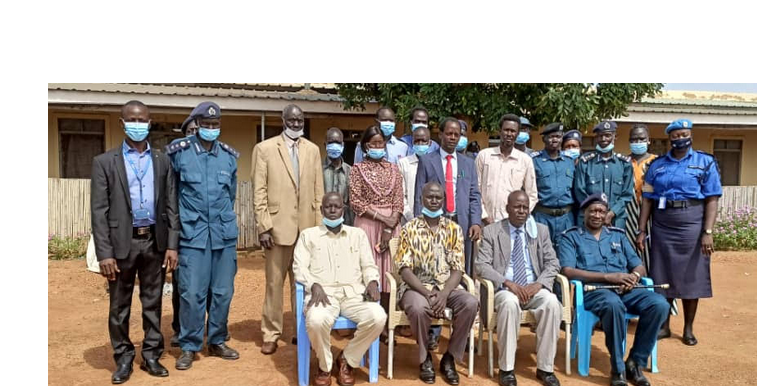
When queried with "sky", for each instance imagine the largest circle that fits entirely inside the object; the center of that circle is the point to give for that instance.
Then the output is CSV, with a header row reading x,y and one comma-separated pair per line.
x,y
725,87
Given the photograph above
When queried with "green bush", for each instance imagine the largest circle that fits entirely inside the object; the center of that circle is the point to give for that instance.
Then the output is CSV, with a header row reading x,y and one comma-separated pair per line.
x,y
61,248
736,231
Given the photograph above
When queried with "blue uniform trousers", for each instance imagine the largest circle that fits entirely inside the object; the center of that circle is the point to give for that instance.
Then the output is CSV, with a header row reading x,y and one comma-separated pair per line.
x,y
556,224
203,273
611,308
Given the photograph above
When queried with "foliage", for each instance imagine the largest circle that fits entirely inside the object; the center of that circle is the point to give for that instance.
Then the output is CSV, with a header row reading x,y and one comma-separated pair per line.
x,y
577,105
61,248
737,232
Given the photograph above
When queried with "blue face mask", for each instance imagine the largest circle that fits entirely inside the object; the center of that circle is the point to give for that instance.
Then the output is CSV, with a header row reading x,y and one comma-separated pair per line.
x,y
639,148
137,131
387,128
333,223
376,153
209,135
462,144
429,213
421,149
334,150
572,153
605,149
418,125
522,137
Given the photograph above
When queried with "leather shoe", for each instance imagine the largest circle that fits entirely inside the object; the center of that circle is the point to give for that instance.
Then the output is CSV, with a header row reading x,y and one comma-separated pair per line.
x,y
546,378
427,370
223,351
344,375
122,373
269,348
323,378
447,368
185,360
634,374
618,380
507,378
175,340
154,368
664,333
433,342
689,340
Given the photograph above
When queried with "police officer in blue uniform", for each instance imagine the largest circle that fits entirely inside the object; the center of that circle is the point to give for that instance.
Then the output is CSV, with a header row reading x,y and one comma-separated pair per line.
x,y
604,171
554,182
599,254
206,172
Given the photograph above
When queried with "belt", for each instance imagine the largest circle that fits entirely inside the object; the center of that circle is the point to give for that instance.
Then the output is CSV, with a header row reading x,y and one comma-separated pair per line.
x,y
451,216
684,203
559,211
143,232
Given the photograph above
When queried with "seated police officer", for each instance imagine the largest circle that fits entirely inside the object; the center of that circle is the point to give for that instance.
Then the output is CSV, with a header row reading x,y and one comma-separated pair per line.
x,y
594,253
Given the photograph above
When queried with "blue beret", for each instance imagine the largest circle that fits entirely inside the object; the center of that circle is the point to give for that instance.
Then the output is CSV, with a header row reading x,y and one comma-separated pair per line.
x,y
463,125
679,124
525,122
572,134
206,110
605,126
552,127
596,197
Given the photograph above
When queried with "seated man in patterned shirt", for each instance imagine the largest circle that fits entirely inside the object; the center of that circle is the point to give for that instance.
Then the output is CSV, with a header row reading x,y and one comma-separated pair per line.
x,y
430,261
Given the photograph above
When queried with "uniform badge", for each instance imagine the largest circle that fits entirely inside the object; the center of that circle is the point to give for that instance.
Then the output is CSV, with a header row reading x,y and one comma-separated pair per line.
x,y
685,124
211,111
182,143
604,197
607,125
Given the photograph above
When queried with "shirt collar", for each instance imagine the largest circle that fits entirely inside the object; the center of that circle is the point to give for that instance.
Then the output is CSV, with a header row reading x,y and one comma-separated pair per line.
x,y
423,224
669,154
498,151
326,232
445,154
288,141
327,164
128,149
513,228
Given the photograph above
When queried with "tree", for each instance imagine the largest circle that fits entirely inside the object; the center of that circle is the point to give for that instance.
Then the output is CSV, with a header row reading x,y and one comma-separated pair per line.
x,y
577,105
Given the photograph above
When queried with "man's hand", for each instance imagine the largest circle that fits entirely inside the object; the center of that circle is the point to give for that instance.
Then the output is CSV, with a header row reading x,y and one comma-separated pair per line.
x,y
318,296
372,291
108,268
707,245
390,221
474,233
486,221
519,291
532,289
439,303
266,240
609,217
641,239
626,280
171,260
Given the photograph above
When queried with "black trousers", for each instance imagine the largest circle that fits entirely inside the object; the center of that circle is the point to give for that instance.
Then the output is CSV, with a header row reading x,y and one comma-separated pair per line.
x,y
175,301
143,260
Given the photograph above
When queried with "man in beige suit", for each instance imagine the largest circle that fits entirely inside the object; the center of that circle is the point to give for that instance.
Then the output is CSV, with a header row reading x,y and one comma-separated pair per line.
x,y
288,185
523,266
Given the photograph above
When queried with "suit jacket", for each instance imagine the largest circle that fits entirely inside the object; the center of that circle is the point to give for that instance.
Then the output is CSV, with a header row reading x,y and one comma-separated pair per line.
x,y
468,197
494,254
112,221
278,205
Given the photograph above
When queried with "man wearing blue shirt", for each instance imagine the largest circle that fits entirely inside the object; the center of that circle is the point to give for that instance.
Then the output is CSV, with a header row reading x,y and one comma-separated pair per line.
x,y
418,118
395,149
594,253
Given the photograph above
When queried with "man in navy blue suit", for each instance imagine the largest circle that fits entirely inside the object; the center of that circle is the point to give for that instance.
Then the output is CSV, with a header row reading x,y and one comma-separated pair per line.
x,y
457,174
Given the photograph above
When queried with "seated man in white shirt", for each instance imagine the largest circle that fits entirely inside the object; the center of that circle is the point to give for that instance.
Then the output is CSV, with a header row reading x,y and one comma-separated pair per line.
x,y
335,264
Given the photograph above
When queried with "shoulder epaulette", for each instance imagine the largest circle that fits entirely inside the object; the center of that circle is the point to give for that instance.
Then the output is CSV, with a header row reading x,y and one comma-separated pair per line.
x,y
229,149
623,157
616,229
588,156
705,153
177,145
534,154
573,228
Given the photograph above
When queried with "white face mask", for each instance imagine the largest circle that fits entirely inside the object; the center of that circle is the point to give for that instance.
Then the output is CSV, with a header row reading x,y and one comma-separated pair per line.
x,y
292,134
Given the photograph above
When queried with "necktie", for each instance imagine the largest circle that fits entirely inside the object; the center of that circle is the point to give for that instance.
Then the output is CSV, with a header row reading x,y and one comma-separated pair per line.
x,y
518,260
296,164
449,187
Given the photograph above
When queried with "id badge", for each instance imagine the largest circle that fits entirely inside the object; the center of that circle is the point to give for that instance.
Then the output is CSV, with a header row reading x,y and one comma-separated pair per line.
x,y
141,214
661,204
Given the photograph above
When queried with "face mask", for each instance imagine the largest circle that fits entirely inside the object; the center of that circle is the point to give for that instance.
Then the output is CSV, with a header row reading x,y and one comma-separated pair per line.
x,y
421,149
387,128
572,153
462,144
293,134
429,213
334,150
418,125
376,153
333,223
681,143
137,131
522,137
605,149
639,148
209,135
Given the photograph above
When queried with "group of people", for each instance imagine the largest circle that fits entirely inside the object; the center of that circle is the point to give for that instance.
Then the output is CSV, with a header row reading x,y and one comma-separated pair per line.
x,y
328,225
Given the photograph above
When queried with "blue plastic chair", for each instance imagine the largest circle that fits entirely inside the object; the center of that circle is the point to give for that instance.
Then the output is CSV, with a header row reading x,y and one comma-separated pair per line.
x,y
583,326
303,342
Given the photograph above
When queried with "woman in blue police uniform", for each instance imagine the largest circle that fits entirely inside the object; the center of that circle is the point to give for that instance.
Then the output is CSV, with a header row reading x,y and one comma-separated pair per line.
x,y
681,191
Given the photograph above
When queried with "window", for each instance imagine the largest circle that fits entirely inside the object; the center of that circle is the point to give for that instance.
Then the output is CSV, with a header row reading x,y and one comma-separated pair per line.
x,y
659,146
728,154
80,141
162,133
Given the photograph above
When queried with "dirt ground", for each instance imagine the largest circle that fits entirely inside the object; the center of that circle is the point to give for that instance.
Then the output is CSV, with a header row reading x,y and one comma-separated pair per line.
x,y
79,351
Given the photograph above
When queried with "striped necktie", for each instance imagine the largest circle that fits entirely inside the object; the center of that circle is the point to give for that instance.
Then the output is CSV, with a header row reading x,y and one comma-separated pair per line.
x,y
518,260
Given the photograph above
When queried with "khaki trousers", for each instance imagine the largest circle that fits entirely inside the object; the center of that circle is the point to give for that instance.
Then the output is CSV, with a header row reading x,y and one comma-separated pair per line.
x,y
369,317
278,262
546,310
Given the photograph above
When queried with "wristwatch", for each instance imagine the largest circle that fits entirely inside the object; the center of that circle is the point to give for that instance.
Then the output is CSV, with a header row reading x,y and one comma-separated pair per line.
x,y
708,231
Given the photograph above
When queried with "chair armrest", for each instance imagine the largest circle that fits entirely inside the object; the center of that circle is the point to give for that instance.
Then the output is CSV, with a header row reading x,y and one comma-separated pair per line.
x,y
579,286
469,284
646,281
566,298
487,301
393,287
